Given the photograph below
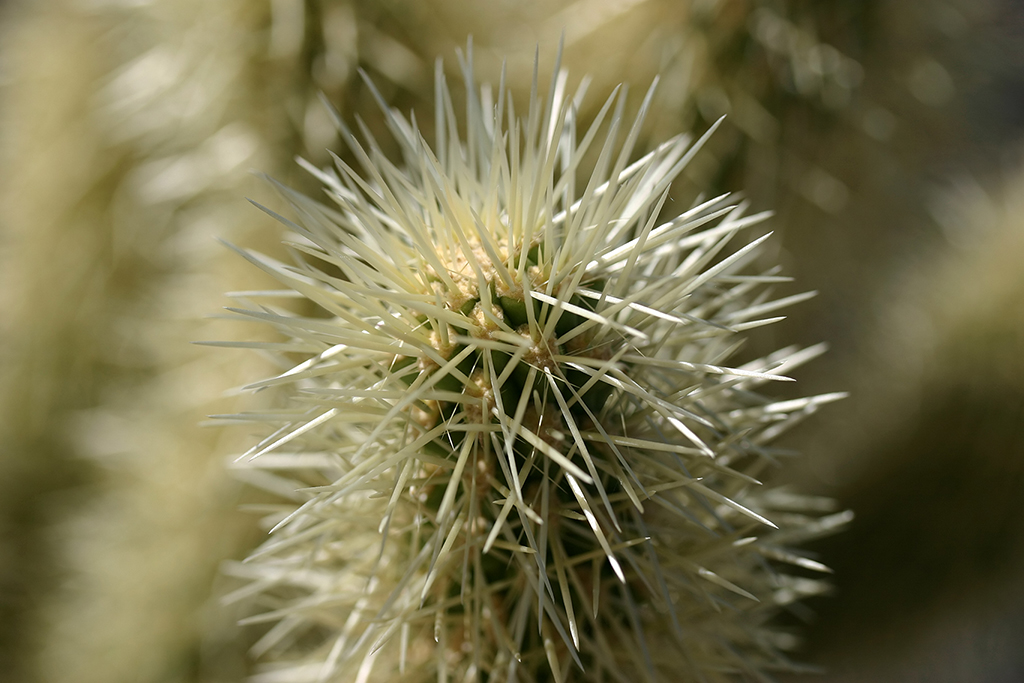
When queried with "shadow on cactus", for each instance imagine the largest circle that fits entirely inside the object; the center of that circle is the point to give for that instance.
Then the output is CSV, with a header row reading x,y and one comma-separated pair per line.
x,y
514,448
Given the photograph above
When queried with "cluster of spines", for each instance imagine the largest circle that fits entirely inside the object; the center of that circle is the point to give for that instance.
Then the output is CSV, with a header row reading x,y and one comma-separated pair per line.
x,y
516,428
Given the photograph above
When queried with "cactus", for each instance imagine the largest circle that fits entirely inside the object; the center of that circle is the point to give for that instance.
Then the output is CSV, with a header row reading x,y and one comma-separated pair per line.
x,y
516,445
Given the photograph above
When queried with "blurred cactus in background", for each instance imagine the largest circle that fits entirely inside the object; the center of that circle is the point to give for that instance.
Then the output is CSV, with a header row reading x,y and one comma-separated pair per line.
x,y
128,128
129,133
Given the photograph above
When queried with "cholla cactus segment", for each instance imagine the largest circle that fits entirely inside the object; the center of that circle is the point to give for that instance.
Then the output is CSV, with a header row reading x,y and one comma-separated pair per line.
x,y
515,448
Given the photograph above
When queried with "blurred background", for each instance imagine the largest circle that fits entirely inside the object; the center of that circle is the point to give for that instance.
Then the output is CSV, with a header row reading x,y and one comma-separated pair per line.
x,y
886,135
